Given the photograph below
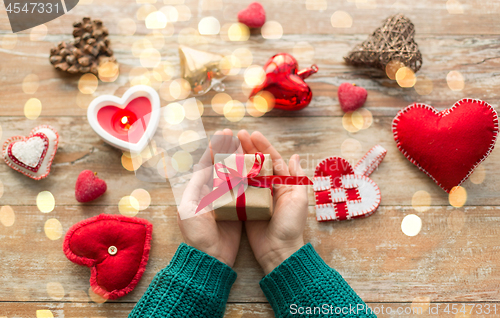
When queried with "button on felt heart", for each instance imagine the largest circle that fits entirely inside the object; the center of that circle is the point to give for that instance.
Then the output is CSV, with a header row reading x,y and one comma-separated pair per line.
x,y
115,247
343,192
32,155
450,144
128,122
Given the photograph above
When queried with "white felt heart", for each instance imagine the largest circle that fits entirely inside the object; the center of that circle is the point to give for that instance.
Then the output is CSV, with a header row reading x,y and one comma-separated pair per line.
x,y
29,152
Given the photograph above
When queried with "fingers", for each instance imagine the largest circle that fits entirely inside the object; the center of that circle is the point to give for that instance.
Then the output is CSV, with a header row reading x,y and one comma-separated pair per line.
x,y
198,181
294,166
246,142
263,145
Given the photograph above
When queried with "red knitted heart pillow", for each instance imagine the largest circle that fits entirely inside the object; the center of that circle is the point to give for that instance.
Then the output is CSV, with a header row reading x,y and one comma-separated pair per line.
x,y
115,247
447,145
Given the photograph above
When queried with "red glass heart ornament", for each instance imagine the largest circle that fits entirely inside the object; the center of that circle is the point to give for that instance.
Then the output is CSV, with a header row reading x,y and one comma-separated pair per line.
x,y
447,145
115,247
286,83
343,192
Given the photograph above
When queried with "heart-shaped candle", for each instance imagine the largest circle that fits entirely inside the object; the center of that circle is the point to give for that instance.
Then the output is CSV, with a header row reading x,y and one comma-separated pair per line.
x,y
32,155
129,122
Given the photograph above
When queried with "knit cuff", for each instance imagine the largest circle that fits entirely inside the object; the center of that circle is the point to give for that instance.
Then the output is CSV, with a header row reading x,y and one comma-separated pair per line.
x,y
202,270
305,280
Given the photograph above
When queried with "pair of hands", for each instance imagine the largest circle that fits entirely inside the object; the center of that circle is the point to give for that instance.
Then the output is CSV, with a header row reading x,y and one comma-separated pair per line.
x,y
272,241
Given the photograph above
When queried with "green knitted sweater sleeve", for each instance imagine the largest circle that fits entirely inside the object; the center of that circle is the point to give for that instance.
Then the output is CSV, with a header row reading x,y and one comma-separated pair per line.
x,y
194,284
305,285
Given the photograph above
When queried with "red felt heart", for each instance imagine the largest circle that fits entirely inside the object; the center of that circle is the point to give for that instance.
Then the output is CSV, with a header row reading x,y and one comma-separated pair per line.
x,y
286,83
121,122
450,144
254,16
343,192
115,247
351,97
88,186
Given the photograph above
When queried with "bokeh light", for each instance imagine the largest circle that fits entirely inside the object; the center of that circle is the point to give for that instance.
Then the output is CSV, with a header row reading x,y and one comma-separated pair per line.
x,y
254,75
44,313
171,13
7,216
39,32
230,65
209,26
31,83
455,81
406,77
457,197
341,19
166,70
143,198
156,20
143,12
367,117
182,161
421,201
353,121
98,299
477,177
424,85
411,225
260,104
454,7
88,83
150,58
108,71
32,108
183,13
237,32
392,68
156,38
189,140
9,41
272,30
140,45
456,220
128,206
351,149
127,27
316,5
234,110
173,113
180,88
193,108
219,101
130,161
55,290
45,202
244,56
53,229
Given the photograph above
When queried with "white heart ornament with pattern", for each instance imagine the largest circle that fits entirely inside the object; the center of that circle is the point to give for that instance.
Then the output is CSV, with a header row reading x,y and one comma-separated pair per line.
x,y
343,192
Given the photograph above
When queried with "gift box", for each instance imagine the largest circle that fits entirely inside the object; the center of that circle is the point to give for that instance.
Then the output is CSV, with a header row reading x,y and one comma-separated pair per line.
x,y
252,203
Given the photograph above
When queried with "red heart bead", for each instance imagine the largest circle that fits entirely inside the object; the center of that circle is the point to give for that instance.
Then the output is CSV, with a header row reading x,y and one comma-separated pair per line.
x,y
450,144
286,83
115,247
351,97
88,186
253,16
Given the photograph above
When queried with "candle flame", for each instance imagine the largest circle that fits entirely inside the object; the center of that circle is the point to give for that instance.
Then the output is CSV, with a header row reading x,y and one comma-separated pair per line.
x,y
124,120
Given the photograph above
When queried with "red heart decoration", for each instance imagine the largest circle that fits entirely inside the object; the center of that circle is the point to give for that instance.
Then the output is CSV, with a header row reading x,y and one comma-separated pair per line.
x,y
343,192
88,186
254,16
32,155
450,144
351,97
115,247
286,83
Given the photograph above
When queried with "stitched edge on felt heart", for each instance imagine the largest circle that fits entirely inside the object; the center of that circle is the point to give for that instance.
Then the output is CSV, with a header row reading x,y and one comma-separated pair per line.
x,y
364,213
446,112
22,138
80,260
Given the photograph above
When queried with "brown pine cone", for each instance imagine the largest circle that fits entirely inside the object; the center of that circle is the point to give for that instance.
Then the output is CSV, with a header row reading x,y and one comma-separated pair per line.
x,y
86,51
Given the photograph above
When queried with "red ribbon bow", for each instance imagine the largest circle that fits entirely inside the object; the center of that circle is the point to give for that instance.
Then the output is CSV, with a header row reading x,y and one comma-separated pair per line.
x,y
233,178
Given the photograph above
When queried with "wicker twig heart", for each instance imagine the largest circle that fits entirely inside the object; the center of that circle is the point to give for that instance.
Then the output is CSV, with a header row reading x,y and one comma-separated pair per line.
x,y
394,41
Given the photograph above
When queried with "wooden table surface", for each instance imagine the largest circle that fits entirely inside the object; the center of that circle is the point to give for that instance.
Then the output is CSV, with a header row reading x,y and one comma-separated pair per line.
x,y
454,260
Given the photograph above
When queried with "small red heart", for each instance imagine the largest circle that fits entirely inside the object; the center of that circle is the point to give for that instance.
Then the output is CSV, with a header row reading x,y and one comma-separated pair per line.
x,y
351,97
450,144
286,83
115,247
254,16
88,186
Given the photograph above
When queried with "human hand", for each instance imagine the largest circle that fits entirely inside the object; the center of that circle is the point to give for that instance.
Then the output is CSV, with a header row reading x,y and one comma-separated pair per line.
x,y
275,240
220,239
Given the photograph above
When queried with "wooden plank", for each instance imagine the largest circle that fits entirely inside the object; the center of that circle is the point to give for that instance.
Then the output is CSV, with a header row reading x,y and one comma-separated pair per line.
x,y
246,310
428,16
473,57
81,149
453,259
